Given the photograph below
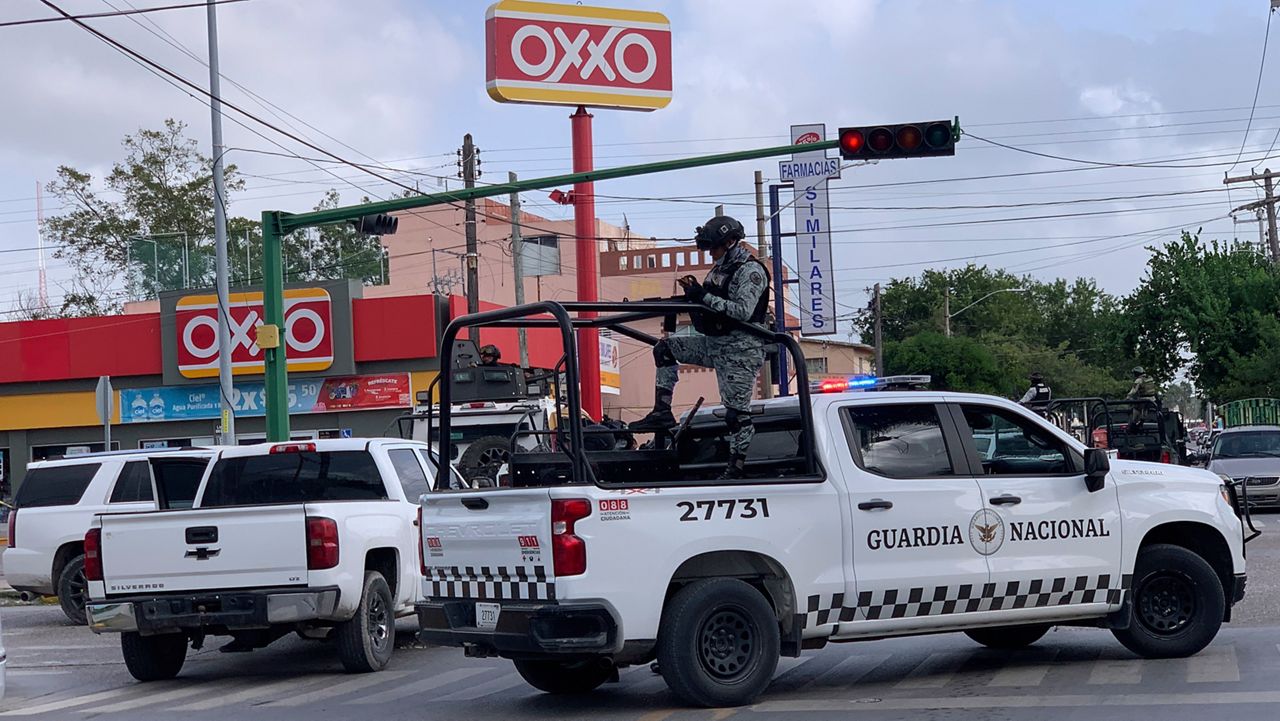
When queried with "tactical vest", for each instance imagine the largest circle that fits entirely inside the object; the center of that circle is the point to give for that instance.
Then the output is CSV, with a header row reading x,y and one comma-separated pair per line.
x,y
717,283
1042,393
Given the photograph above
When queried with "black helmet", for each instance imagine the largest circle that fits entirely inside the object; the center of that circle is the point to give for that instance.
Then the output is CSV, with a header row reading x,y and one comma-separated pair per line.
x,y
718,232
1037,377
491,350
1139,371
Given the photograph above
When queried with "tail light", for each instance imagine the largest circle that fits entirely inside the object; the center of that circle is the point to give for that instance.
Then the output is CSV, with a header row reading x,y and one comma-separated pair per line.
x,y
322,543
422,554
294,448
1100,439
13,527
568,552
1164,457
93,555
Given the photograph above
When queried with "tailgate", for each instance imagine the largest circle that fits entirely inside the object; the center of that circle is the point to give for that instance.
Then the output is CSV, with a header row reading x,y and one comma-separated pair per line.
x,y
493,544
204,549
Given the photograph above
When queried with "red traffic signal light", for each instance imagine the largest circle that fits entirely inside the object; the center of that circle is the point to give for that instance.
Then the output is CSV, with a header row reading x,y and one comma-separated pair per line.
x,y
907,140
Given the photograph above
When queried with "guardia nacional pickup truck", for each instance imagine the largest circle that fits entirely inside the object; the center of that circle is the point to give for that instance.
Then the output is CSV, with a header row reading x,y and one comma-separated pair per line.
x,y
863,515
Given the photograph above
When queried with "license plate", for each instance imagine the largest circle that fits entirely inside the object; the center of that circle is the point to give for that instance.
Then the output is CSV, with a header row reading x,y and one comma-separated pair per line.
x,y
487,616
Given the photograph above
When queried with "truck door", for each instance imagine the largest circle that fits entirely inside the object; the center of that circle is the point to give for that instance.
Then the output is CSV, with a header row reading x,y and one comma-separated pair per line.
x,y
1050,542
912,504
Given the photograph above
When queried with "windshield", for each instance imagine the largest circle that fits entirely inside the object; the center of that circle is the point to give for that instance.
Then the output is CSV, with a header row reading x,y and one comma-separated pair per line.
x,y
1247,444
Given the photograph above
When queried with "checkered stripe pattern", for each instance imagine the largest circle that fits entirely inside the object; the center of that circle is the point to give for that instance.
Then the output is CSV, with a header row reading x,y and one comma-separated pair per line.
x,y
524,583
824,610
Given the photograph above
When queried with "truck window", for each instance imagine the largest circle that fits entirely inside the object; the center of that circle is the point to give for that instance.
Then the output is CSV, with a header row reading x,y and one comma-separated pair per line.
x,y
134,483
900,441
412,478
1010,445
55,485
294,478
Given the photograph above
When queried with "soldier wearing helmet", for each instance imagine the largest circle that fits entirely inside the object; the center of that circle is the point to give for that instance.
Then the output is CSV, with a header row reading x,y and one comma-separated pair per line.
x,y
1039,392
737,287
489,355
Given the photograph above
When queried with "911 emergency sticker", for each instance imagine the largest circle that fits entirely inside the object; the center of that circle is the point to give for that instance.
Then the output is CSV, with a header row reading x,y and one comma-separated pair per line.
x,y
530,550
435,547
745,508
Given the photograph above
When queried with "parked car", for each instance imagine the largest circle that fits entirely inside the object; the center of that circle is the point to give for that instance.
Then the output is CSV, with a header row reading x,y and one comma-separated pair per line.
x,y
55,505
1250,454
316,538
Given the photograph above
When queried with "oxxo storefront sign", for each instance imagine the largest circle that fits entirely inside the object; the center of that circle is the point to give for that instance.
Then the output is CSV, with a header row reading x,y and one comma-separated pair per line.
x,y
308,332
185,403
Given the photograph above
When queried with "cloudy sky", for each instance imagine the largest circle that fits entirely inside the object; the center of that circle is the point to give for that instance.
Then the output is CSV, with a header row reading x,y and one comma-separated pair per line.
x,y
1166,84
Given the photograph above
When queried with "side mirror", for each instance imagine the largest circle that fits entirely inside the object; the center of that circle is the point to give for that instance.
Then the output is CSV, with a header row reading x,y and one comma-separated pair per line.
x,y
1096,467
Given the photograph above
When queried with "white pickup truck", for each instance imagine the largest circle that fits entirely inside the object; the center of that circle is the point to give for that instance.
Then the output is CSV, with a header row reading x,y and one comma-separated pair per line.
x,y
316,537
875,516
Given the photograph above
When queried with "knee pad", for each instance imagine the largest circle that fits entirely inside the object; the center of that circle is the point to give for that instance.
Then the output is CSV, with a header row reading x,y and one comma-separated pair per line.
x,y
736,420
662,355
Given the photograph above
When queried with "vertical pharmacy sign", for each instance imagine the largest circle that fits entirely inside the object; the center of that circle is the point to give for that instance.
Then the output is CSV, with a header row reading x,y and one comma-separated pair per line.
x,y
810,170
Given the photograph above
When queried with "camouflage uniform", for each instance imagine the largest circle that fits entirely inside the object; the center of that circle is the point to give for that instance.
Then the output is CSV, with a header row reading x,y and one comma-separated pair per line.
x,y
736,356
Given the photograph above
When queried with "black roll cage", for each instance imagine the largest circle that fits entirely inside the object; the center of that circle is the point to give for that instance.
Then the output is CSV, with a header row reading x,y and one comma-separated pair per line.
x,y
615,316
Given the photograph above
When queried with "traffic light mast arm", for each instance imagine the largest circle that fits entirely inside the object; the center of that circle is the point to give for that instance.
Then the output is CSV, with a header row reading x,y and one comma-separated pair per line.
x,y
291,222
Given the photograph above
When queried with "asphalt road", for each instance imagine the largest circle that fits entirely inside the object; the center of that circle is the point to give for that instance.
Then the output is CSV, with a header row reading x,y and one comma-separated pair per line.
x,y
58,671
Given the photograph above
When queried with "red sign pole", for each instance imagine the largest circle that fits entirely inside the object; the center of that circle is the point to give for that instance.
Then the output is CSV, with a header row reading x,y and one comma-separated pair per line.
x,y
588,259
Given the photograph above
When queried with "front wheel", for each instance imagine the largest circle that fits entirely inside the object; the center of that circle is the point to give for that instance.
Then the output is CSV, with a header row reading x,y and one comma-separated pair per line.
x,y
366,641
153,658
73,591
564,677
1177,604
719,643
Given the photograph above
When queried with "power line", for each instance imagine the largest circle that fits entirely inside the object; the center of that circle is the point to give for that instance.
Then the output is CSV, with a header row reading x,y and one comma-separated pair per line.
x,y
1262,64
117,13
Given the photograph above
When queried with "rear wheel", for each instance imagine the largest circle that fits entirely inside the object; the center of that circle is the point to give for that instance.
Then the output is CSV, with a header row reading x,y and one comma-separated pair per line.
x,y
483,459
1008,637
719,643
366,641
153,658
564,677
73,591
1177,604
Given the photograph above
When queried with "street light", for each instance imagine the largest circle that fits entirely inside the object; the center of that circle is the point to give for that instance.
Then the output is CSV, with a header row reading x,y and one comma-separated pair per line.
x,y
946,308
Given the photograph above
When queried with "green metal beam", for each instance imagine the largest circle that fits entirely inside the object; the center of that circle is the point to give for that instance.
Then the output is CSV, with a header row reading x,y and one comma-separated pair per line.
x,y
291,222
277,374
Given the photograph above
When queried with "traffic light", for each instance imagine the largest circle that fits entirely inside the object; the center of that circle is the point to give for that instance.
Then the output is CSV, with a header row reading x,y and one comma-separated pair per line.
x,y
909,140
380,224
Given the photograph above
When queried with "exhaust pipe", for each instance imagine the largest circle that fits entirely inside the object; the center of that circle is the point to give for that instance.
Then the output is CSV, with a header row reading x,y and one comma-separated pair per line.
x,y
27,596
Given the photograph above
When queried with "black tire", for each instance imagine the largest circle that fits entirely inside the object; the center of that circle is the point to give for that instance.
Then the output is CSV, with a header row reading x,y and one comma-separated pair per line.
x,y
719,643
366,641
153,658
484,458
73,591
1008,637
1177,604
565,677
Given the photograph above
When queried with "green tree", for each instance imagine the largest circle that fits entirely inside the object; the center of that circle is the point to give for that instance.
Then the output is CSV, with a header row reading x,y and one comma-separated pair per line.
x,y
959,364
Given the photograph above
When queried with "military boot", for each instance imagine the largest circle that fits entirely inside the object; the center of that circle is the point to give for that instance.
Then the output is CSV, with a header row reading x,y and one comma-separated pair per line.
x,y
660,418
737,468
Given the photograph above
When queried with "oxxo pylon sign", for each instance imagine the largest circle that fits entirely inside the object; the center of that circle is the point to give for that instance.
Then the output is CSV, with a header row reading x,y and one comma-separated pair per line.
x,y
308,332
554,54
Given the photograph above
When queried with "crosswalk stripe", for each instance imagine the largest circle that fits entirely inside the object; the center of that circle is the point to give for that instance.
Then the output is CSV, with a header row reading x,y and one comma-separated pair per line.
x,y
934,672
1115,672
1214,665
256,689
489,687
147,697
353,684
434,682
69,702
1025,674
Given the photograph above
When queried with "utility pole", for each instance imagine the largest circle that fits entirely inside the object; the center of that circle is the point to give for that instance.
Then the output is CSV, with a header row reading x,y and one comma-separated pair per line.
x,y
878,341
517,267
1268,203
473,257
228,428
766,383
946,311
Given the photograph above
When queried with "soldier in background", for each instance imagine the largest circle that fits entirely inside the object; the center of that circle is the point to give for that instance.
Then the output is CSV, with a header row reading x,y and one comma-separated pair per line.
x,y
489,355
1039,393
737,287
1144,389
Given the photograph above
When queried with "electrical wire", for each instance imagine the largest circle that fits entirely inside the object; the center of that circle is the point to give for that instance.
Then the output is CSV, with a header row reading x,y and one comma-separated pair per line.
x,y
117,13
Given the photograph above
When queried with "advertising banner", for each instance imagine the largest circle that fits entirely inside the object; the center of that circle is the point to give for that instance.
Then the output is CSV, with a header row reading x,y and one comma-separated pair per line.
x,y
554,54
307,332
810,170
348,393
